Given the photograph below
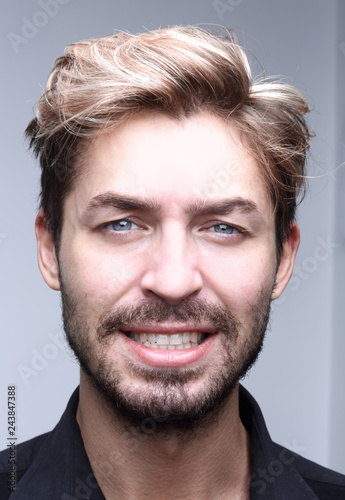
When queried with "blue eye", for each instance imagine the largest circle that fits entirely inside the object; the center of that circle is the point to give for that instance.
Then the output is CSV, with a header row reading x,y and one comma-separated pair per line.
x,y
224,228
122,225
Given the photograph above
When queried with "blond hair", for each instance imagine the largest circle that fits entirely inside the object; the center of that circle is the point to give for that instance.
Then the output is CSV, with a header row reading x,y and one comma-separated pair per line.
x,y
97,84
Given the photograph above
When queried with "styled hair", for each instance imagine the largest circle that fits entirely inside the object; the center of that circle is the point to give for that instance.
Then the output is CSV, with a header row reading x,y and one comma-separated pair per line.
x,y
98,84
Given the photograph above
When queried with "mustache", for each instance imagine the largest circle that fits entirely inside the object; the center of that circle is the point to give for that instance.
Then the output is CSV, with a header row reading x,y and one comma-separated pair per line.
x,y
153,311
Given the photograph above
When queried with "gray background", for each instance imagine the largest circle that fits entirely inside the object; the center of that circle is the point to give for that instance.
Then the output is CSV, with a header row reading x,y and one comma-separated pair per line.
x,y
299,379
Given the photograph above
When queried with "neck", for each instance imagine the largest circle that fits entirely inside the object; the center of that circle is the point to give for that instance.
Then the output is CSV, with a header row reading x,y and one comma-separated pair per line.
x,y
129,463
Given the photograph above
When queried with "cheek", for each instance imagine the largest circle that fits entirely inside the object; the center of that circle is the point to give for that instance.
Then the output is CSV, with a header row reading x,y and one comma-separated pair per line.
x,y
239,279
98,279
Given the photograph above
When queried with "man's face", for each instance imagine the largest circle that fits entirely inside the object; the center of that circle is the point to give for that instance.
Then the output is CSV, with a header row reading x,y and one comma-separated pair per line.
x,y
167,265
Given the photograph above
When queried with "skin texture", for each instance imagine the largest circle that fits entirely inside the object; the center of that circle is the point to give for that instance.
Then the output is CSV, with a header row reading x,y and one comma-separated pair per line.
x,y
197,242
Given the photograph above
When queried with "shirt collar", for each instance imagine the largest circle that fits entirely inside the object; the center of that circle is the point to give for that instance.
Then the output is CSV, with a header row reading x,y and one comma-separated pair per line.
x,y
62,470
274,476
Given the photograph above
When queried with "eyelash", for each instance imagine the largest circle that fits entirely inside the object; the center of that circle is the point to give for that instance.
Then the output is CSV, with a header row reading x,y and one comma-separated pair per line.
x,y
108,224
235,230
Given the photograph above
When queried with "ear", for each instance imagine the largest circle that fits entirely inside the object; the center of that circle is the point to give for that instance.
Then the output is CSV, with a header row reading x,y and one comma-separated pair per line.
x,y
290,247
47,260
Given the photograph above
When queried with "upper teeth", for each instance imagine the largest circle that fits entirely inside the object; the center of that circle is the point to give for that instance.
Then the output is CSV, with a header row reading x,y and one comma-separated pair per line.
x,y
183,340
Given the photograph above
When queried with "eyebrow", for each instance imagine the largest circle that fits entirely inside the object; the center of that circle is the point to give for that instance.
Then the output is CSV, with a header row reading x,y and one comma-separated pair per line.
x,y
223,207
122,202
197,208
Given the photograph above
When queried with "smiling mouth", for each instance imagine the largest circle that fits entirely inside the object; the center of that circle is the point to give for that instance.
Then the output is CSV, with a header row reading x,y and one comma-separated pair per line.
x,y
185,340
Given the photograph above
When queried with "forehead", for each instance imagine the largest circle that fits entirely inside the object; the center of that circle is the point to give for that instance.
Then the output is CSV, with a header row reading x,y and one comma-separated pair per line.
x,y
172,161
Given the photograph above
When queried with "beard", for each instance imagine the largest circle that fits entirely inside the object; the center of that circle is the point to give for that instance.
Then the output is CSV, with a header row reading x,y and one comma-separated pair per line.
x,y
167,404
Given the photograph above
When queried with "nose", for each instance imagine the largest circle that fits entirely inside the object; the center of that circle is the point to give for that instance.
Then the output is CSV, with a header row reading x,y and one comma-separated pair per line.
x,y
173,273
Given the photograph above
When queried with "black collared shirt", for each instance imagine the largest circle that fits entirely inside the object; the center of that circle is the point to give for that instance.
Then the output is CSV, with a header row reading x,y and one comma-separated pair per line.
x,y
55,466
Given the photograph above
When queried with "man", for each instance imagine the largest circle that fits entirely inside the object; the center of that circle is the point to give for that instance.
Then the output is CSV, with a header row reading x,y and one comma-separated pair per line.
x,y
166,277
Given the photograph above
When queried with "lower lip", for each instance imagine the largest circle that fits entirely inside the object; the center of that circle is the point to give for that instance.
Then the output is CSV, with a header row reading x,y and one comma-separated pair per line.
x,y
175,358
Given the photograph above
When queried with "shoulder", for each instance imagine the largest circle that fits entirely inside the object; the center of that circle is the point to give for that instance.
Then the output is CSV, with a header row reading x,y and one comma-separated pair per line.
x,y
15,460
325,483
279,472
